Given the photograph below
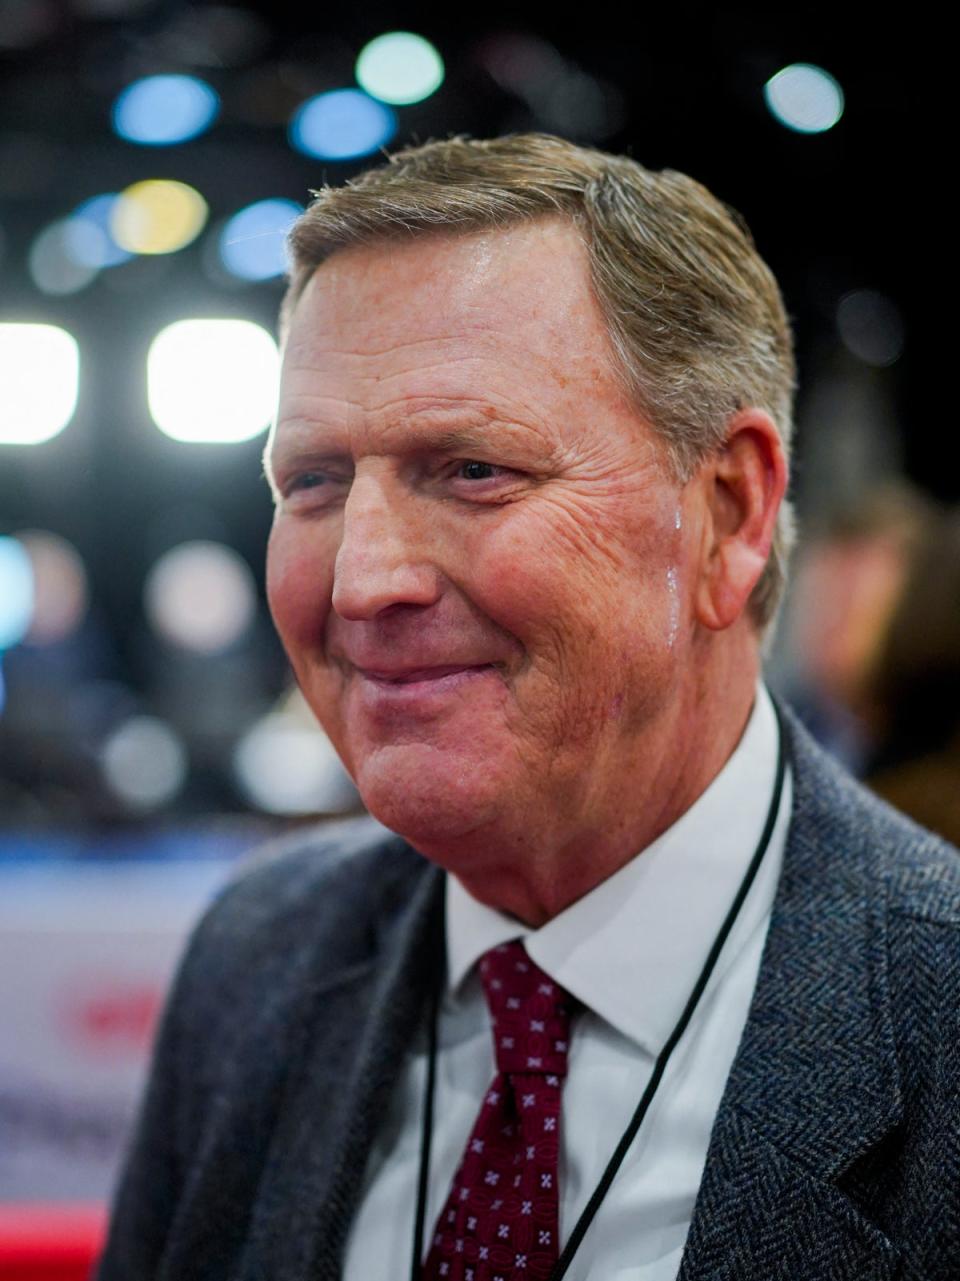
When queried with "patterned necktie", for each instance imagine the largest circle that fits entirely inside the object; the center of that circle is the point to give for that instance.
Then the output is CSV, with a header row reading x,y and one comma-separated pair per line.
x,y
501,1219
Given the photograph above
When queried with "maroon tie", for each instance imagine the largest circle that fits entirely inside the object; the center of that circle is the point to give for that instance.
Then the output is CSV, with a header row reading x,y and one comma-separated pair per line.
x,y
501,1219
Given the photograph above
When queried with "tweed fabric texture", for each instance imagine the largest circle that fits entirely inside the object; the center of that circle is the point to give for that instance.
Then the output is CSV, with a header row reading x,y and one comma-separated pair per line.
x,y
501,1221
835,1155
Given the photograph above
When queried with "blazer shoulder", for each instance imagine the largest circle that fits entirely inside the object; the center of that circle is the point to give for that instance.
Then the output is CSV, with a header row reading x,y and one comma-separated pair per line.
x,y
330,877
925,879
295,926
876,843
921,871
314,903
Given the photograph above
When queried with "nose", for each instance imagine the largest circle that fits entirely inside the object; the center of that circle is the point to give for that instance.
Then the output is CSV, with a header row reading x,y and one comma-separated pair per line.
x,y
382,560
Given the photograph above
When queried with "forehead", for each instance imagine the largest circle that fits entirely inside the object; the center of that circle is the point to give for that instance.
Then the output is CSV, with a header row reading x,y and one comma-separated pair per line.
x,y
514,304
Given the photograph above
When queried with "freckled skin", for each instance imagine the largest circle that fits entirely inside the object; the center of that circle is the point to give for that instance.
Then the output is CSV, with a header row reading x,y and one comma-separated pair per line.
x,y
460,481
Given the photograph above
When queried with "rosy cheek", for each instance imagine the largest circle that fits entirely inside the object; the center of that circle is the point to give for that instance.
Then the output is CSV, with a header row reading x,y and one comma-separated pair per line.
x,y
299,583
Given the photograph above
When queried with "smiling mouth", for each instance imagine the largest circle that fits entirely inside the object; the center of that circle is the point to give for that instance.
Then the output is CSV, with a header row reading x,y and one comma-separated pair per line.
x,y
419,675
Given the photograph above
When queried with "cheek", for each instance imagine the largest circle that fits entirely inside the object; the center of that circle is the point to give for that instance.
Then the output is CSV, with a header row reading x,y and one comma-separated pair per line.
x,y
601,622
536,581
563,609
299,584
508,579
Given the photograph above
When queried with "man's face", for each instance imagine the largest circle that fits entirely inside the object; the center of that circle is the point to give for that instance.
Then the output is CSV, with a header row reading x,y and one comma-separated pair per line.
x,y
479,567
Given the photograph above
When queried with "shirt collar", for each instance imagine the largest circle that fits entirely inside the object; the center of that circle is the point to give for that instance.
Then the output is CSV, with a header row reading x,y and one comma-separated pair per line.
x,y
657,916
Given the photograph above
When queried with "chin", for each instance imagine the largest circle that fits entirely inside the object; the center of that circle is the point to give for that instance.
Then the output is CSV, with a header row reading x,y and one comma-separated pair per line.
x,y
428,796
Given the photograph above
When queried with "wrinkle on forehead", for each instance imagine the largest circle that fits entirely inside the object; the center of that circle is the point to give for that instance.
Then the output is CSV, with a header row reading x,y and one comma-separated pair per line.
x,y
507,318
459,292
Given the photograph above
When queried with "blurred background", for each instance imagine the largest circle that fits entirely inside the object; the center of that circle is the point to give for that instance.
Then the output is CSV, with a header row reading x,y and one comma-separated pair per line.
x,y
152,156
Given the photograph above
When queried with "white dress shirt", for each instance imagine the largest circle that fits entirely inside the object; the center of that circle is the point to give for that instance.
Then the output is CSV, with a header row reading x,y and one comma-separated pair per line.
x,y
631,950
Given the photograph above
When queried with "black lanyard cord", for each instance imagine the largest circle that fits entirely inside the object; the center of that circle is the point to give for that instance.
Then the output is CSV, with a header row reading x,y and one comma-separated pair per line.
x,y
426,1133
630,1133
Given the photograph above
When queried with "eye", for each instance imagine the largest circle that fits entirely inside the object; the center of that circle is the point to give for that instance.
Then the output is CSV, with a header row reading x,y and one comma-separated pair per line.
x,y
306,480
471,469
476,481
313,489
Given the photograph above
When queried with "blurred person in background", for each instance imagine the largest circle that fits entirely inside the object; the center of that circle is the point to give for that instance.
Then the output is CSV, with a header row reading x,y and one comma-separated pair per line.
x,y
874,642
644,984
846,583
913,693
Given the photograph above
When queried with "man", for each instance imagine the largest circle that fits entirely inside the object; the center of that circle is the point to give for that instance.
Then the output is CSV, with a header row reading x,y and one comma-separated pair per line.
x,y
529,467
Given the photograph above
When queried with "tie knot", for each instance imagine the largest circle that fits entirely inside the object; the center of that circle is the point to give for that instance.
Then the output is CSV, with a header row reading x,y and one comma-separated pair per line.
x,y
530,1012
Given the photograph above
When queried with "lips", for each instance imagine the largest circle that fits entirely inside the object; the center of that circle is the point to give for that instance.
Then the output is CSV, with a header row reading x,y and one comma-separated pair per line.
x,y
415,675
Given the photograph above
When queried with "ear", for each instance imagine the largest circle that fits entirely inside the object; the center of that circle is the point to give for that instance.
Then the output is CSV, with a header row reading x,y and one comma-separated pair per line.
x,y
743,484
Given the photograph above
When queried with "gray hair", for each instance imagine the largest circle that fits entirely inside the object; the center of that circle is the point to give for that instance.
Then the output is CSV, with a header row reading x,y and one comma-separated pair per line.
x,y
694,314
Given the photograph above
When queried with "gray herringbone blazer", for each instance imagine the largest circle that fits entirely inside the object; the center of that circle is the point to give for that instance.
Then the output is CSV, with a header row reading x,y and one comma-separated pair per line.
x,y
836,1150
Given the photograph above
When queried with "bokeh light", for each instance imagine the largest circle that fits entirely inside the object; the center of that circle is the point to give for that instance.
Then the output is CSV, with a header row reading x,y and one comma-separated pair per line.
x,y
39,382
159,111
61,594
212,381
342,125
90,239
144,762
200,596
871,327
16,592
400,68
52,260
253,242
285,767
158,216
804,98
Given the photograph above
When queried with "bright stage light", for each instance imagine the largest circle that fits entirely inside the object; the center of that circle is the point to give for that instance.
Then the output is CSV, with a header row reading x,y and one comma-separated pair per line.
x,y
159,111
39,380
200,596
342,125
16,592
400,68
804,98
158,216
253,241
212,381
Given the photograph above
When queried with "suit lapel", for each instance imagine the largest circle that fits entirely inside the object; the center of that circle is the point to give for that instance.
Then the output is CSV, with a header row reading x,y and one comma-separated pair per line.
x,y
814,1085
337,1092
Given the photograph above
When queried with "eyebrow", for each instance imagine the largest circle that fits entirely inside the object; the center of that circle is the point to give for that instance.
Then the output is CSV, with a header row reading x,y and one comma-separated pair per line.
x,y
455,439
468,426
